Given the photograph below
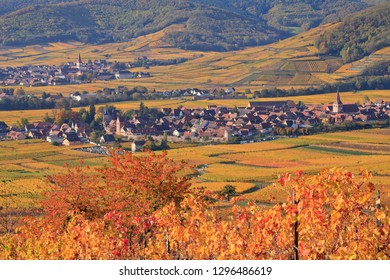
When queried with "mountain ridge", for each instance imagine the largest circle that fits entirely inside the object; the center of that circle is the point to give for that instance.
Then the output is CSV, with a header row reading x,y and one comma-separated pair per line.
x,y
210,25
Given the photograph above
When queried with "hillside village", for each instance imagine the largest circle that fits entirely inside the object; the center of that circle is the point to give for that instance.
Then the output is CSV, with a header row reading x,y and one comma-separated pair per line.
x,y
211,124
68,73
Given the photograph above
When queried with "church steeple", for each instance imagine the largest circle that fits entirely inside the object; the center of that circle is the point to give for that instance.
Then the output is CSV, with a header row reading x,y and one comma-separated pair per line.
x,y
79,62
337,105
338,100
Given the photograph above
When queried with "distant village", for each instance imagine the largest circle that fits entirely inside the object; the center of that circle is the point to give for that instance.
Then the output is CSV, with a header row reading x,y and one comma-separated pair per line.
x,y
212,124
68,73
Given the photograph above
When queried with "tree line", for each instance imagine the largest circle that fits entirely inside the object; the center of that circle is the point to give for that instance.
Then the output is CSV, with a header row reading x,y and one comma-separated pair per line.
x,y
354,84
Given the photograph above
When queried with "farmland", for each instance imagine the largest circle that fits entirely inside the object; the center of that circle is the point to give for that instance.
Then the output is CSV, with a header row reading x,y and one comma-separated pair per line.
x,y
251,168
292,62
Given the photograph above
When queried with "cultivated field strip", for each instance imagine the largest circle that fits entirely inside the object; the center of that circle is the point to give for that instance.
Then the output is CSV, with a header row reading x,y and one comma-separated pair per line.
x,y
252,168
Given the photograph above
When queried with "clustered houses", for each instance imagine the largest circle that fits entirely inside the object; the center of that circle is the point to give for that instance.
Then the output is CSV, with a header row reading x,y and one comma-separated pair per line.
x,y
68,73
65,134
215,123
218,123
339,112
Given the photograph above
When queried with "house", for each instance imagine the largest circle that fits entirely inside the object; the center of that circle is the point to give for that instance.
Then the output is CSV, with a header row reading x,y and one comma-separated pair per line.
x,y
30,127
230,90
3,127
143,75
105,77
55,138
137,146
71,138
16,135
178,132
35,134
123,75
107,139
272,104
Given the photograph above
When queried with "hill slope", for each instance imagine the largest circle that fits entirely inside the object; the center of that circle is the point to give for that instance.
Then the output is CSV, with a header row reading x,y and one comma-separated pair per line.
x,y
359,35
210,25
117,21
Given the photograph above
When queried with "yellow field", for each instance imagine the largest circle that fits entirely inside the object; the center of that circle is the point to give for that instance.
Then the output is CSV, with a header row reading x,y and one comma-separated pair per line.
x,y
260,163
36,159
251,168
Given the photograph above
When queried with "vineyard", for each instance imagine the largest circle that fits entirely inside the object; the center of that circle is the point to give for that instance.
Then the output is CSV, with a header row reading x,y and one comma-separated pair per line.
x,y
253,166
253,174
251,68
334,214
314,197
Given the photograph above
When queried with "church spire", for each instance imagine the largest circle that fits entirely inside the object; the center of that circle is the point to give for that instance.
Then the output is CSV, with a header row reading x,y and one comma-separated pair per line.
x,y
337,105
338,99
79,63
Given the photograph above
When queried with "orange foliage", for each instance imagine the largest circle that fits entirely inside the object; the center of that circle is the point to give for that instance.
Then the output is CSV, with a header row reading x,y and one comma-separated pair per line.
x,y
144,211
136,186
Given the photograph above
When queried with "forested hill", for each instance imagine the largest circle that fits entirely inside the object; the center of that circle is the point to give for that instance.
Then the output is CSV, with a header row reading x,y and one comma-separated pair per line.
x,y
209,24
359,35
7,6
102,21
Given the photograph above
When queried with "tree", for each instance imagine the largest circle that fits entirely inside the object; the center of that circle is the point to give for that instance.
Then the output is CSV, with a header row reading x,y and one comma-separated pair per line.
x,y
22,122
66,116
63,103
150,145
96,125
228,191
131,185
164,142
94,137
92,113
84,115
47,118
20,92
45,95
143,110
301,105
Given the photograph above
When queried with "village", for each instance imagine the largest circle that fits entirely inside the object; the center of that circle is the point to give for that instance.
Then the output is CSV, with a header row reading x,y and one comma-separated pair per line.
x,y
214,124
68,73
